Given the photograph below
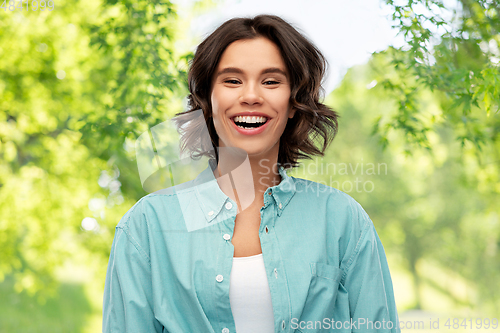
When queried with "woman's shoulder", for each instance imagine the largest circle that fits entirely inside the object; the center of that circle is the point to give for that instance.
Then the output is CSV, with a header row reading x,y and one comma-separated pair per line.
x,y
321,192
164,204
340,206
342,217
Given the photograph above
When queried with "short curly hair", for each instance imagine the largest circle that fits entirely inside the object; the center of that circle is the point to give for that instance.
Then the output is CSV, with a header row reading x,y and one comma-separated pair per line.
x,y
314,124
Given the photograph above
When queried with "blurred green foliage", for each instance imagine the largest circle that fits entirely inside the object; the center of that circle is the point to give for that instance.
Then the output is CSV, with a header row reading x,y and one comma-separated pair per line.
x,y
66,312
454,51
79,84
434,107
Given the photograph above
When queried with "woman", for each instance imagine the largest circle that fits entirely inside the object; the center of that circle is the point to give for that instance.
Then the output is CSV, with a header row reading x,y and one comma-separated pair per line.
x,y
244,247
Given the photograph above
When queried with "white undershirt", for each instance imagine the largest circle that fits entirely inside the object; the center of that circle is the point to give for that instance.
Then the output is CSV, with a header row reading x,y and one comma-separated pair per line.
x,y
250,296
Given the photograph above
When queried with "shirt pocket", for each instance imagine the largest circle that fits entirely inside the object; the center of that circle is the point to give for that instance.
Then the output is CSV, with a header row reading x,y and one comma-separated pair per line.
x,y
321,296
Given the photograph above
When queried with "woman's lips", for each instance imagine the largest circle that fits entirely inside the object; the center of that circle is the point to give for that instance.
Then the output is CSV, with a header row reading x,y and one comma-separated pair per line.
x,y
250,131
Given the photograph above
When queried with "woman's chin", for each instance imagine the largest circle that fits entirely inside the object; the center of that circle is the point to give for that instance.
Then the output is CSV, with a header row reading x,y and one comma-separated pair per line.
x,y
258,149
261,155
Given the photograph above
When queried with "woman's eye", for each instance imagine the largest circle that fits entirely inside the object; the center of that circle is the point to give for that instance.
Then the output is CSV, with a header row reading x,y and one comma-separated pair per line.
x,y
271,82
232,81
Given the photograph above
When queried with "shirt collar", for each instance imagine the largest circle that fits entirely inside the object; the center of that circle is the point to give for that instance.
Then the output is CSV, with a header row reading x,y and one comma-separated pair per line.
x,y
209,195
283,192
213,202
201,202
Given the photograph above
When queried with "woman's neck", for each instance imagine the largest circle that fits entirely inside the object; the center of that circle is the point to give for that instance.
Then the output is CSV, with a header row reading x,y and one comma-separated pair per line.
x,y
245,179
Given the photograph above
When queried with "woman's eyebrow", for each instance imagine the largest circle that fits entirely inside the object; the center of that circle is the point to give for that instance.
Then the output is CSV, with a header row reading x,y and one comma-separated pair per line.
x,y
274,70
230,70
239,71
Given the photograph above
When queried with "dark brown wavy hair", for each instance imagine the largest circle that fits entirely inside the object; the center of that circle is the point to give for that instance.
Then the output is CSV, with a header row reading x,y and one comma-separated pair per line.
x,y
314,124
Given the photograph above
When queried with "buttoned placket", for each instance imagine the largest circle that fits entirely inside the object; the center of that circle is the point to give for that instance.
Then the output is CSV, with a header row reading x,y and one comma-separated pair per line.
x,y
223,271
273,262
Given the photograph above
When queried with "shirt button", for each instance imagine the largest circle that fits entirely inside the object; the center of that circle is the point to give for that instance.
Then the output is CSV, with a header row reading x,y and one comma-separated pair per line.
x,y
219,278
283,325
280,205
225,330
229,205
210,213
267,229
226,236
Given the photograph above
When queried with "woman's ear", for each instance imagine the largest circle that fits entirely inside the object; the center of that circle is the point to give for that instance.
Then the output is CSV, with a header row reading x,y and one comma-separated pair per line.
x,y
291,113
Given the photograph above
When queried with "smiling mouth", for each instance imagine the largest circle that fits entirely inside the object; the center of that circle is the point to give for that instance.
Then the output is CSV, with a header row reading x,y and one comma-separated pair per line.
x,y
248,122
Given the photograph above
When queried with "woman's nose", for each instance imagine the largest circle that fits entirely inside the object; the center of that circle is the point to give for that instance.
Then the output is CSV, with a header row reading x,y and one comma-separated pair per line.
x,y
250,95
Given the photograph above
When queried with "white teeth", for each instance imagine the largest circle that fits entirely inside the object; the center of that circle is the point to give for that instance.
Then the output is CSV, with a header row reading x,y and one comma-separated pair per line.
x,y
250,119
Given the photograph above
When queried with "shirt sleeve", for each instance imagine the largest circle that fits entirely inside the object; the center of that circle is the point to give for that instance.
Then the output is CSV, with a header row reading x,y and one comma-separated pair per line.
x,y
128,301
368,282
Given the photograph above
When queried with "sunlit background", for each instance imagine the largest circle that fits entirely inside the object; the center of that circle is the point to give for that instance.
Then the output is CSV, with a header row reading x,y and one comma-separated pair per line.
x,y
416,84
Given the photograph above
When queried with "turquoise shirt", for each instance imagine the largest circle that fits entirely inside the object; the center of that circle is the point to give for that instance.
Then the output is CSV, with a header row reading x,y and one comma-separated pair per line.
x,y
171,259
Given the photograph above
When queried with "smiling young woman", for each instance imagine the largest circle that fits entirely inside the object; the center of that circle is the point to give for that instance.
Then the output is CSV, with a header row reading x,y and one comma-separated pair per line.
x,y
298,256
251,88
250,108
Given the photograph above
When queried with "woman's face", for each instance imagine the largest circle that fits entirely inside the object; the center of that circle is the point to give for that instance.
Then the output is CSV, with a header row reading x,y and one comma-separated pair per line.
x,y
250,98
